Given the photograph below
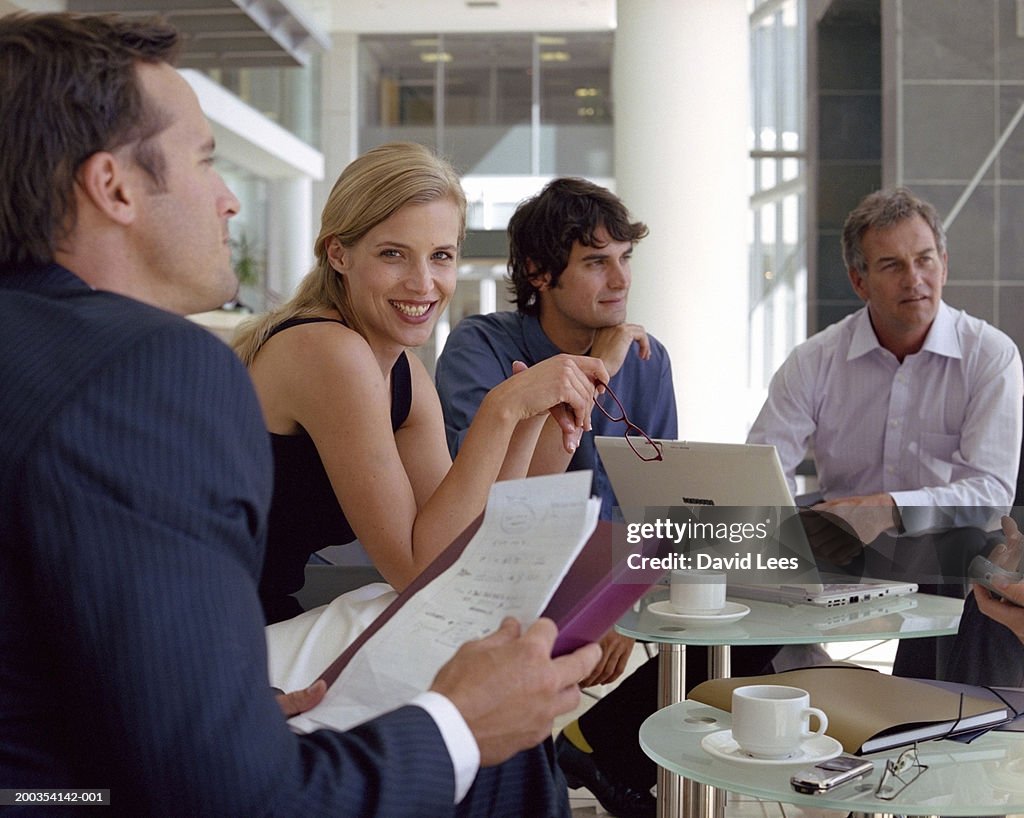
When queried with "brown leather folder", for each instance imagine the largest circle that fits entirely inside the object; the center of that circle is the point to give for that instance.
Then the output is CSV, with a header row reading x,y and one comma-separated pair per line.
x,y
870,711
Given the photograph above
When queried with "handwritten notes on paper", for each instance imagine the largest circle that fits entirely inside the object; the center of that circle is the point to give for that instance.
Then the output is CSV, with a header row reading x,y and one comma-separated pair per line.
x,y
532,531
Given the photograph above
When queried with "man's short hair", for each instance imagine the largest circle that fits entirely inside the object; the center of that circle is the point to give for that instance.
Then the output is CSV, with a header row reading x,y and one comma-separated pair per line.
x,y
542,231
68,89
882,209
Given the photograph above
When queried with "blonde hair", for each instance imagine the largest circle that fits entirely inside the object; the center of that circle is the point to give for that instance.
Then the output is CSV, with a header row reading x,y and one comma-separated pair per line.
x,y
369,191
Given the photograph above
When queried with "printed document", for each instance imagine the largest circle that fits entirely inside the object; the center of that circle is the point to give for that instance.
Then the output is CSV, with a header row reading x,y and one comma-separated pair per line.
x,y
532,531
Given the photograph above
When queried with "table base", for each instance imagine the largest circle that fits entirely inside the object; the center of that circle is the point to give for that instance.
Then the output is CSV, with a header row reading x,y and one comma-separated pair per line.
x,y
676,795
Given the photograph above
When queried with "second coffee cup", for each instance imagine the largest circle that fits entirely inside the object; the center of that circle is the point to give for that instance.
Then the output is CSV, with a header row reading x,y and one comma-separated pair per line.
x,y
772,721
697,592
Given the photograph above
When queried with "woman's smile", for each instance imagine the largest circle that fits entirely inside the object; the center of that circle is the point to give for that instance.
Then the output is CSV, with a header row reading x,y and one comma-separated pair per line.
x,y
416,311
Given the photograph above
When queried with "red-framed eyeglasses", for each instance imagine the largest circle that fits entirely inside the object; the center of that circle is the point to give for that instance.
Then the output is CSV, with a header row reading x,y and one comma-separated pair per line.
x,y
639,441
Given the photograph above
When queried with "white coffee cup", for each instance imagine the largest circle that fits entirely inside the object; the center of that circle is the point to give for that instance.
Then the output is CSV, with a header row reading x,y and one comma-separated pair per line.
x,y
772,721
697,592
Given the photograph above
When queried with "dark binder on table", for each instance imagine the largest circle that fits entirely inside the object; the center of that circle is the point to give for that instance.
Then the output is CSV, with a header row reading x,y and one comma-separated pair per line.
x,y
869,711
598,588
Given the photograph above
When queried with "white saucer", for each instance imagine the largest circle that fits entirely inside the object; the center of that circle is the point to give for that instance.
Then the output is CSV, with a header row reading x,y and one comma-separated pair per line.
x,y
730,613
813,750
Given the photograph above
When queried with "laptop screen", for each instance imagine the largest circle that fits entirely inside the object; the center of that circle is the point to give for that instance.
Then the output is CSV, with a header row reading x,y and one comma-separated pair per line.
x,y
696,474
699,489
726,487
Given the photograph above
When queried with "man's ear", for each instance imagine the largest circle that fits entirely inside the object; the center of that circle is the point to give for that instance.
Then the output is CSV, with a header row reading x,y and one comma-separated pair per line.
x,y
337,254
857,282
540,281
104,181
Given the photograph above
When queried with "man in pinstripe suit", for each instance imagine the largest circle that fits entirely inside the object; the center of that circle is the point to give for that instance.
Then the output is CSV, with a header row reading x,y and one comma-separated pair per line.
x,y
136,478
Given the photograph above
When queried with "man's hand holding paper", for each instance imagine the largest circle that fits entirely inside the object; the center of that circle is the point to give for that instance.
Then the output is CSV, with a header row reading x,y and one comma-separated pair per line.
x,y
509,689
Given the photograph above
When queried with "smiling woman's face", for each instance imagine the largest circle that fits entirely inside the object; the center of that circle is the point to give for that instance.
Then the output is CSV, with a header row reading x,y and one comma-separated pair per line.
x,y
401,274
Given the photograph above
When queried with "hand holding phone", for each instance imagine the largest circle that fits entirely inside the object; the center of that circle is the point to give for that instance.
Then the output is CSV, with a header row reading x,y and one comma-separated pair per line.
x,y
830,774
982,571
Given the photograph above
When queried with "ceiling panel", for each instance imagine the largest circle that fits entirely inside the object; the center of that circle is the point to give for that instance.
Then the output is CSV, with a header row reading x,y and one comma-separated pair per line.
x,y
228,33
407,16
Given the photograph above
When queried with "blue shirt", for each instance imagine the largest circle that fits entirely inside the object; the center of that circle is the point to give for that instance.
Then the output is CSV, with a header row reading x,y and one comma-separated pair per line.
x,y
479,355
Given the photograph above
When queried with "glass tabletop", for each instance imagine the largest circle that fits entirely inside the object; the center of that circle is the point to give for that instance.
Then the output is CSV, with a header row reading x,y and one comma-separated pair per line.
x,y
775,623
985,777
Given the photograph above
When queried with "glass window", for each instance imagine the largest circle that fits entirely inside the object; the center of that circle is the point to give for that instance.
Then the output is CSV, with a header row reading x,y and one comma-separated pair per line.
x,y
248,233
510,110
575,78
778,266
288,96
399,80
532,104
575,104
488,81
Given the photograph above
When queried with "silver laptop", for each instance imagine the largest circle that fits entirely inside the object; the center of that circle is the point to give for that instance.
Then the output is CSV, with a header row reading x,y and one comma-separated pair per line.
x,y
747,478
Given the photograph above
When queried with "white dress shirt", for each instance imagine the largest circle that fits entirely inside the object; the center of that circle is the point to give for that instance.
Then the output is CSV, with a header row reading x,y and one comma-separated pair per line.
x,y
939,432
461,744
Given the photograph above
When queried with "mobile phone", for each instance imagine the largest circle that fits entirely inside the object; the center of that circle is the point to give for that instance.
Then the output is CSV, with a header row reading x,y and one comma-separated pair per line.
x,y
829,774
981,571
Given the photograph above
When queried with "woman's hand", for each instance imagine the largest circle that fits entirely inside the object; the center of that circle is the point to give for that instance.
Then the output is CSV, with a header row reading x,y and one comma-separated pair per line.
x,y
299,701
563,386
562,416
615,653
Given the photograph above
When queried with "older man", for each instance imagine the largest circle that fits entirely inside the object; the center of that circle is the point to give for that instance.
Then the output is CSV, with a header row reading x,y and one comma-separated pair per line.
x,y
913,407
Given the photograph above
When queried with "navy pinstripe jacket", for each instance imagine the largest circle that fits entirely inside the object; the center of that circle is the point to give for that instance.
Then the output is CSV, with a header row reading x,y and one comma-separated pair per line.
x,y
134,483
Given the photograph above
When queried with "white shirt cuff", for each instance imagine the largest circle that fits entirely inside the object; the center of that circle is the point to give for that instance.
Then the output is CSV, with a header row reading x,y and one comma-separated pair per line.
x,y
457,737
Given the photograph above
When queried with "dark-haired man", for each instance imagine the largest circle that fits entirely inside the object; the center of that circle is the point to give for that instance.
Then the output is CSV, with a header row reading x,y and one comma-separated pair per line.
x,y
136,481
569,267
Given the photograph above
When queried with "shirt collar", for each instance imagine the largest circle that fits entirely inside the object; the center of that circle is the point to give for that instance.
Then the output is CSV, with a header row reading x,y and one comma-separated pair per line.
x,y
864,339
941,339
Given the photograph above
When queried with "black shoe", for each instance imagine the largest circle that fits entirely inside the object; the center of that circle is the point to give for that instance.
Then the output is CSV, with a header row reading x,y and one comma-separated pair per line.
x,y
617,798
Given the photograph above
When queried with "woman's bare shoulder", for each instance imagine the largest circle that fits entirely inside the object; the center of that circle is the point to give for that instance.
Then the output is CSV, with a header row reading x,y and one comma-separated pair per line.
x,y
314,345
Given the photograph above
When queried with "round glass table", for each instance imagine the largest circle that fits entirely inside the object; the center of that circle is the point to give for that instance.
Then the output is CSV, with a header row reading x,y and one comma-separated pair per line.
x,y
985,777
768,623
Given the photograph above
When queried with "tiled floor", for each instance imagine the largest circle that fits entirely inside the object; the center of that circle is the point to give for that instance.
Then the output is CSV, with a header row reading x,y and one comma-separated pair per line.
x,y
870,654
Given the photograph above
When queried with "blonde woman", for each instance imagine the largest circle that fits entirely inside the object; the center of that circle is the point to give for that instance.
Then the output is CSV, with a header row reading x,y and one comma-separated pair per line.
x,y
355,421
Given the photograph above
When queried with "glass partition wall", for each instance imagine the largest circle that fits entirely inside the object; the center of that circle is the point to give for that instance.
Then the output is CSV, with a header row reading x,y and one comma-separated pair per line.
x,y
510,111
778,258
515,104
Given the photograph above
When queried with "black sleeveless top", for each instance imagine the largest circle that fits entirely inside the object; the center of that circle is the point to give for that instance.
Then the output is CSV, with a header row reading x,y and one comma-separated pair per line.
x,y
304,514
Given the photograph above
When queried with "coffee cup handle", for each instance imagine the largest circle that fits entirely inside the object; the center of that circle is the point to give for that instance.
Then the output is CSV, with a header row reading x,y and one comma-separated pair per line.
x,y
822,721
